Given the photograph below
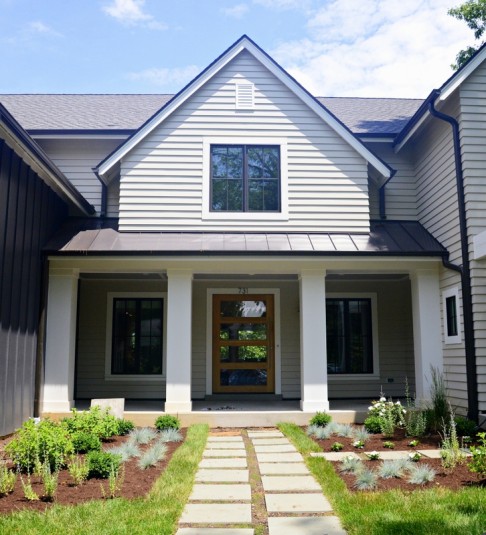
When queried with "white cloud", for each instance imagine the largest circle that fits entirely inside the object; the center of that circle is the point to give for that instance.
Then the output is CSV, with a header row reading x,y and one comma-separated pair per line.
x,y
380,48
41,28
283,4
131,13
236,11
171,78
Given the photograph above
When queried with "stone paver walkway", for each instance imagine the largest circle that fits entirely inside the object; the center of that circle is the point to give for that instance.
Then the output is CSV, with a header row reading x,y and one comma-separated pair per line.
x,y
221,495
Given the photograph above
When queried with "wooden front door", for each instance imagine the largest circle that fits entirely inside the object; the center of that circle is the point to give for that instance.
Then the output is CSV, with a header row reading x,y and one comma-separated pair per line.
x,y
243,343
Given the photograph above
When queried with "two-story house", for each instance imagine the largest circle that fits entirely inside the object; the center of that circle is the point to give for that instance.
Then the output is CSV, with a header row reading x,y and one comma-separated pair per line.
x,y
250,238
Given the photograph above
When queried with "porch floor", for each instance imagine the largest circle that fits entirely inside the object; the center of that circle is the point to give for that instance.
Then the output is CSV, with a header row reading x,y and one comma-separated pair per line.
x,y
241,413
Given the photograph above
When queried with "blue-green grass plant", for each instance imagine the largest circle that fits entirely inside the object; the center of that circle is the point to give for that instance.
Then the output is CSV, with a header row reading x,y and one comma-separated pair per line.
x,y
142,435
391,469
170,435
360,433
366,480
420,474
351,465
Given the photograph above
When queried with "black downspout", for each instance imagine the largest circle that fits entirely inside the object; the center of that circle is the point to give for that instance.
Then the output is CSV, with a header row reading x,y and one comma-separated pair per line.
x,y
471,372
381,192
103,193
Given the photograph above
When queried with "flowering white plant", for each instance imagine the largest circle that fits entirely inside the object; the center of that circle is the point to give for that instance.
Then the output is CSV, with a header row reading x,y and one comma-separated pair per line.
x,y
415,456
382,407
373,455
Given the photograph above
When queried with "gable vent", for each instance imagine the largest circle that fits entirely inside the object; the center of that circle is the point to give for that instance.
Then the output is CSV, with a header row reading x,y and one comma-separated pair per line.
x,y
245,99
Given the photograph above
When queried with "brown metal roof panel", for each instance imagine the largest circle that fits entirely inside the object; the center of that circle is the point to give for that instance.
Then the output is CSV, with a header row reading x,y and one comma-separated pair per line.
x,y
278,242
106,240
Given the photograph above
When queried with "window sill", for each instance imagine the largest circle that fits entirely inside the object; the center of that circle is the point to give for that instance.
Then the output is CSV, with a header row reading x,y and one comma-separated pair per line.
x,y
245,216
135,378
353,376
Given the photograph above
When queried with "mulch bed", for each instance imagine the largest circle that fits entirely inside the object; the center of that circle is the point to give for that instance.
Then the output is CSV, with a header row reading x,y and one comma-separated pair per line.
x,y
136,483
459,477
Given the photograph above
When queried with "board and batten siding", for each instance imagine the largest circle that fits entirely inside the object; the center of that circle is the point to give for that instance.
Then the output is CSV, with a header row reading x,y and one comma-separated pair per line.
x,y
472,123
76,159
437,210
30,212
161,184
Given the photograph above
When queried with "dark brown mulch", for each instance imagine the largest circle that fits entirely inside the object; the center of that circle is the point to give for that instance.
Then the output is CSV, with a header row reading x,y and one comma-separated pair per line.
x,y
136,483
458,478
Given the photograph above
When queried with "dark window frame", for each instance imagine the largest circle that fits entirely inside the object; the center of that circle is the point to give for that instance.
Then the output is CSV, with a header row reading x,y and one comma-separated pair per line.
x,y
245,178
368,364
452,320
138,336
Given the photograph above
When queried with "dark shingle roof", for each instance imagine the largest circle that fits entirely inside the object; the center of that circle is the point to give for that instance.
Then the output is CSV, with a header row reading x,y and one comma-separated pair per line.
x,y
397,238
129,112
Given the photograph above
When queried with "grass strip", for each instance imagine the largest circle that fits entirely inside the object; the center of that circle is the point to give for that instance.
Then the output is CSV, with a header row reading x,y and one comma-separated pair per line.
x,y
158,513
427,512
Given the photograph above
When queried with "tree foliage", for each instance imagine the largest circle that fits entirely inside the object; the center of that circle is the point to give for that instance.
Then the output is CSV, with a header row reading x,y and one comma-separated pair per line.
x,y
473,13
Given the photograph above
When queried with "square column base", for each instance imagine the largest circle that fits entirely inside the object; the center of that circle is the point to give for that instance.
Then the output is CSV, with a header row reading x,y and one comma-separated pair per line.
x,y
178,406
56,406
314,406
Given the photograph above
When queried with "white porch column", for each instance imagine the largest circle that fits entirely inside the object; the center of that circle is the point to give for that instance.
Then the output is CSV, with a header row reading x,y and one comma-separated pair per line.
x,y
62,300
426,329
313,350
179,335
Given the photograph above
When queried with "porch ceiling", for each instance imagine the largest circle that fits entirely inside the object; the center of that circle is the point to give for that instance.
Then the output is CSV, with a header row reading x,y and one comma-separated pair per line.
x,y
100,237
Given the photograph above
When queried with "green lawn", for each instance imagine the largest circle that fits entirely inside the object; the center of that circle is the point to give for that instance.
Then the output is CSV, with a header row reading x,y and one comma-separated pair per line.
x,y
156,514
421,512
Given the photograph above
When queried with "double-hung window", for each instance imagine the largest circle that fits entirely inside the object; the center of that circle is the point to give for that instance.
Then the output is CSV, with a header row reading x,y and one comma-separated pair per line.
x,y
349,335
137,336
245,178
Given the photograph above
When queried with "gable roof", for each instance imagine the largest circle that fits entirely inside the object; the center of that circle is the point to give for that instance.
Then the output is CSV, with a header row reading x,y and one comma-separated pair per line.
x,y
20,141
125,113
244,43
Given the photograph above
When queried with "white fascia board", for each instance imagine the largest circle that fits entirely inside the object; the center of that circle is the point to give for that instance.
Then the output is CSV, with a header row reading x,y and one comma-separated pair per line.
x,y
282,75
455,81
412,132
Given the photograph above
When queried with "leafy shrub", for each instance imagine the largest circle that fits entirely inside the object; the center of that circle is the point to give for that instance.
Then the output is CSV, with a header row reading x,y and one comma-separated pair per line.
x,y
40,443
478,462
465,427
373,455
365,480
124,426
421,474
102,463
321,419
373,424
167,421
95,421
142,435
358,444
337,446
170,435
389,414
7,480
84,442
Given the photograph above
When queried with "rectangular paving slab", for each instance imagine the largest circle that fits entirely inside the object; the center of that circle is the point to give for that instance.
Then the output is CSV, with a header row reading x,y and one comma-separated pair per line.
x,y
225,439
281,469
215,531
279,457
208,492
292,483
216,513
225,462
278,448
224,453
324,525
297,503
206,475
269,441
224,445
265,434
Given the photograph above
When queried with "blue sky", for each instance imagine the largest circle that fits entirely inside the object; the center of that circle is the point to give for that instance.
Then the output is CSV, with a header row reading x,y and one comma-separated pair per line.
x,y
381,48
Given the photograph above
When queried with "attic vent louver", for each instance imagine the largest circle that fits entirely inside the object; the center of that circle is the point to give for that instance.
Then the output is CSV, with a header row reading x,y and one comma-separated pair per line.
x,y
245,97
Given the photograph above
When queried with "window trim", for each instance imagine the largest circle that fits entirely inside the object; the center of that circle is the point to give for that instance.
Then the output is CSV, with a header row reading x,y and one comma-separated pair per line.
x,y
451,292
207,214
109,335
374,336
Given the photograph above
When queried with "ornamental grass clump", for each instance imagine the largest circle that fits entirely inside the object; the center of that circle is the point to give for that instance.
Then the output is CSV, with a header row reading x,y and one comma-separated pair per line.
x,y
150,458
344,430
361,434
421,474
311,429
170,435
351,465
415,420
142,435
366,480
322,433
391,469
127,451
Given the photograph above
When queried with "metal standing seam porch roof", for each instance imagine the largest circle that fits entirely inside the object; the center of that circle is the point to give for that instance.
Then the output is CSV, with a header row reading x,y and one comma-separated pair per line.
x,y
388,238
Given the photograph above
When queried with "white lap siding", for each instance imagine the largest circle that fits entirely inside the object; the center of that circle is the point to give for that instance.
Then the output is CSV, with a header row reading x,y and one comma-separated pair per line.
x,y
161,185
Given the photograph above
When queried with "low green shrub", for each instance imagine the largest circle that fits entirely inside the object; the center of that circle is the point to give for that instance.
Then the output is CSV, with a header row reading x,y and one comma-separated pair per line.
x,y
95,421
7,480
373,424
38,443
124,426
84,442
320,419
465,427
102,463
478,462
337,446
167,421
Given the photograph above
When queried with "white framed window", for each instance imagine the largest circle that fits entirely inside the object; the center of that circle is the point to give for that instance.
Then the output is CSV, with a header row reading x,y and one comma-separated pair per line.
x,y
450,307
135,336
352,335
234,189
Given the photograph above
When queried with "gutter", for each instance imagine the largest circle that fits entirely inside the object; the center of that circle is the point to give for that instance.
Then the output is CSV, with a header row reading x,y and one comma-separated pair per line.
x,y
469,342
